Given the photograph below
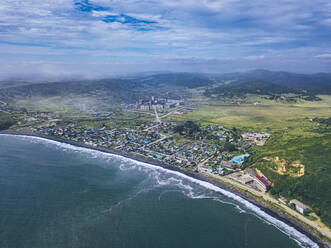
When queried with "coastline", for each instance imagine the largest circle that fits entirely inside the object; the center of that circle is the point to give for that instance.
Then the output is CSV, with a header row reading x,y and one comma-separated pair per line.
x,y
289,220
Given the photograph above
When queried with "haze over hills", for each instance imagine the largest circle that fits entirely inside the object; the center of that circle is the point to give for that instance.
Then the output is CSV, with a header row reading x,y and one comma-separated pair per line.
x,y
133,87
314,83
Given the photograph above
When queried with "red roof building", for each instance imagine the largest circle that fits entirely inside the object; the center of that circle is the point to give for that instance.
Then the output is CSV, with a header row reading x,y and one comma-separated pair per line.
x,y
262,183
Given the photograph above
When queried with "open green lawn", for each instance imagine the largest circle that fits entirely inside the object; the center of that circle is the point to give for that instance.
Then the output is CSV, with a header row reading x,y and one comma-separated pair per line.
x,y
261,117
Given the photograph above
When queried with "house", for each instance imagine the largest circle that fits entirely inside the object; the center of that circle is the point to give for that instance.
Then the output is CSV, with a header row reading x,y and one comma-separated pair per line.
x,y
145,107
262,183
245,179
299,206
227,164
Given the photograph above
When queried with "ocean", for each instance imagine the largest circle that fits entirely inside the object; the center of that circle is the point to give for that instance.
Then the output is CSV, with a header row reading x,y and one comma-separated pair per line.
x,y
57,195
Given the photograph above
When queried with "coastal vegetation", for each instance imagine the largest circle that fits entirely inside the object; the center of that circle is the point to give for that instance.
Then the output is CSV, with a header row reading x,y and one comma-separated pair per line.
x,y
312,148
295,158
6,121
301,135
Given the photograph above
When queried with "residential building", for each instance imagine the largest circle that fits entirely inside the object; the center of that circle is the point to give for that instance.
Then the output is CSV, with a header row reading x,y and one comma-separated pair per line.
x,y
299,206
262,184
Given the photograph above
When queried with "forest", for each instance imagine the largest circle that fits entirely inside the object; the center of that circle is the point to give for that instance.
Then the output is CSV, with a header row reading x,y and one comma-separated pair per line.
x,y
5,121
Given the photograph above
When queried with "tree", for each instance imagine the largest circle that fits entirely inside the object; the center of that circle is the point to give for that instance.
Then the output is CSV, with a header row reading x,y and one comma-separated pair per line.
x,y
229,147
5,121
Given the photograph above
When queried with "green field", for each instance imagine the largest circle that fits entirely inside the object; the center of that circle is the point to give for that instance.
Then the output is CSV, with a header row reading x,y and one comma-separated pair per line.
x,y
311,146
269,116
295,137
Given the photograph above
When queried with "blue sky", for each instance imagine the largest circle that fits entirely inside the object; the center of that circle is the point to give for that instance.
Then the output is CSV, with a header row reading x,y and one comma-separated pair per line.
x,y
98,38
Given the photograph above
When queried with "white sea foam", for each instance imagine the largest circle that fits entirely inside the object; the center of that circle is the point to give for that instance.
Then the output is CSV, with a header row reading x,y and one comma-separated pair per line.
x,y
302,239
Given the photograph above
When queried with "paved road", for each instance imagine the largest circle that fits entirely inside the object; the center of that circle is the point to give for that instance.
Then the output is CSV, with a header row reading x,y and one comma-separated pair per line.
x,y
205,161
163,137
156,115
164,116
152,127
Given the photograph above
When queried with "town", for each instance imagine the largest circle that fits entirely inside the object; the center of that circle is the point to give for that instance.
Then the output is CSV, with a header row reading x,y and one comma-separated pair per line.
x,y
212,150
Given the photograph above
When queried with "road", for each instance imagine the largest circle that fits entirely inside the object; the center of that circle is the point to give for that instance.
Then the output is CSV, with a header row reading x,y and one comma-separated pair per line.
x,y
164,116
151,127
158,118
163,137
156,115
205,161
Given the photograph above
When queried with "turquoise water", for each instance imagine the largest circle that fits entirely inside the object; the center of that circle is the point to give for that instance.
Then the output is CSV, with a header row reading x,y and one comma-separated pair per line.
x,y
239,159
55,195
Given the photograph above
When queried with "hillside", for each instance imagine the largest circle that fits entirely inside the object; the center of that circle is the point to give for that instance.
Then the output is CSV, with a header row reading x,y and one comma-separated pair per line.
x,y
12,83
5,121
319,83
190,80
306,148
115,89
269,90
260,82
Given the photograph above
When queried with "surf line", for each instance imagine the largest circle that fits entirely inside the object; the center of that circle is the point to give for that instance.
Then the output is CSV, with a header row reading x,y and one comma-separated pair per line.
x,y
290,231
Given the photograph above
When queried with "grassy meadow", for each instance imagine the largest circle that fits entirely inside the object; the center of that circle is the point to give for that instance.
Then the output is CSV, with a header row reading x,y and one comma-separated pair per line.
x,y
269,116
295,137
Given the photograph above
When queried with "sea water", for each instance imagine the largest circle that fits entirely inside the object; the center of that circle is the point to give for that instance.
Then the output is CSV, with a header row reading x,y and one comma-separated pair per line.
x,y
58,195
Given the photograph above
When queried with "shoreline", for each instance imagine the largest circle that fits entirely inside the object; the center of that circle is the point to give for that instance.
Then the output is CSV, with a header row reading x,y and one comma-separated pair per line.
x,y
285,218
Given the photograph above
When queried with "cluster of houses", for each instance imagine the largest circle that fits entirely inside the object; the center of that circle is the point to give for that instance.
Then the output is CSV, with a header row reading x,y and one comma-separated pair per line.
x,y
124,138
160,142
40,117
206,150
253,138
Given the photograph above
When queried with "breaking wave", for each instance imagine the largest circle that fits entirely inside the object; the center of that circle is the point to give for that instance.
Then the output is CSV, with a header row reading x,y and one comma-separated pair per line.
x,y
167,177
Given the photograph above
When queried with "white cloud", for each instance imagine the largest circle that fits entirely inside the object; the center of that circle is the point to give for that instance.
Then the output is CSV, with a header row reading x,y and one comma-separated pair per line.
x,y
324,56
103,13
206,30
326,22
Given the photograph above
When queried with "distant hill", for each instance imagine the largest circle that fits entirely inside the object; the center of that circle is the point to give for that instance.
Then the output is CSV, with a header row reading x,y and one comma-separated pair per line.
x,y
118,89
122,90
190,80
319,83
138,86
273,91
11,83
254,82
252,86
